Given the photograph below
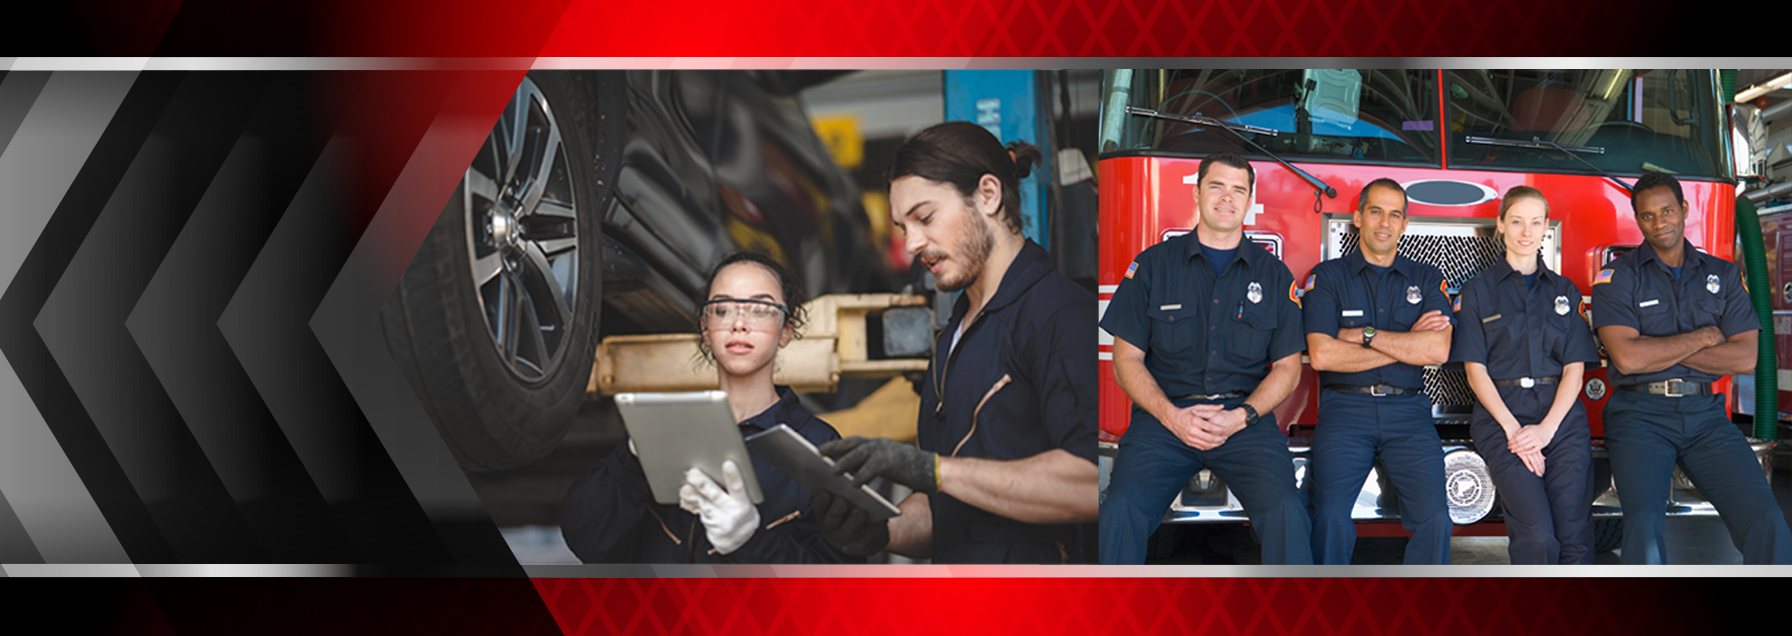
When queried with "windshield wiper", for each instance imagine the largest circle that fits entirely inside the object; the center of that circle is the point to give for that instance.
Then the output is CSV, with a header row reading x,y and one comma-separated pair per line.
x,y
1319,186
1537,143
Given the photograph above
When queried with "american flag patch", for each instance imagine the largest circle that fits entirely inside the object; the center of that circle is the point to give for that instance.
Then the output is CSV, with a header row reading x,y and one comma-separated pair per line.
x,y
1457,306
1605,276
1132,268
1311,278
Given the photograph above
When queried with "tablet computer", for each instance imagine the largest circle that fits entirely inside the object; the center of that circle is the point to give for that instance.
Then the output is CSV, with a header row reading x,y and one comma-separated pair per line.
x,y
805,465
675,432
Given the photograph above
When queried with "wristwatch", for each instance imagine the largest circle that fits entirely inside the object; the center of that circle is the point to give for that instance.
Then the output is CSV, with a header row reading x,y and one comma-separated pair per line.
x,y
1368,337
1250,414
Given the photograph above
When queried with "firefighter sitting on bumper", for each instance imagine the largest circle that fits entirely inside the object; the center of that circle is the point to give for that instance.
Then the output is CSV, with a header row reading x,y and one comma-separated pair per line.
x,y
1674,320
1373,319
1207,343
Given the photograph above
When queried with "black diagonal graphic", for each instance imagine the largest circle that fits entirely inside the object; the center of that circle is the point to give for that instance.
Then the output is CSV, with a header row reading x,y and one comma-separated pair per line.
x,y
82,321
175,325
128,516
266,324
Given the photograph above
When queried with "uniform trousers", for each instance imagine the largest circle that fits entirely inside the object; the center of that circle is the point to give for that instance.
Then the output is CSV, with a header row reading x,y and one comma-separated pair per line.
x,y
1549,518
1154,465
1645,435
1353,429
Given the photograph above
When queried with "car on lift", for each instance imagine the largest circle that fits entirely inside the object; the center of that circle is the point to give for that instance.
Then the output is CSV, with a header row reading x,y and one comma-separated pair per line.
x,y
596,206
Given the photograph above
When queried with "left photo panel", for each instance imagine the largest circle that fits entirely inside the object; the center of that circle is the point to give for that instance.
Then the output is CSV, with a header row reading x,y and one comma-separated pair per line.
x,y
769,317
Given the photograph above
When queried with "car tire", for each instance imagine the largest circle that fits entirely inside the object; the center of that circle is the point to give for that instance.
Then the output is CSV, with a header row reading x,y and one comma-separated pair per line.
x,y
1608,534
495,321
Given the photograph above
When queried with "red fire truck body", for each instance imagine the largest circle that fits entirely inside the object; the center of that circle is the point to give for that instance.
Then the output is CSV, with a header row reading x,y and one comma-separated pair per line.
x,y
1457,140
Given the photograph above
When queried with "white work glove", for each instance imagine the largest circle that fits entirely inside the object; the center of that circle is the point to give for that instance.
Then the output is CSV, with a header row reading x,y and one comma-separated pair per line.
x,y
729,517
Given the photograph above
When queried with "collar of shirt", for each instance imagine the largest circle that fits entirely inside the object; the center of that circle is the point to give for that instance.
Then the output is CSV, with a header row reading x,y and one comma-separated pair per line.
x,y
1249,252
1357,263
784,411
1646,253
1030,266
1501,269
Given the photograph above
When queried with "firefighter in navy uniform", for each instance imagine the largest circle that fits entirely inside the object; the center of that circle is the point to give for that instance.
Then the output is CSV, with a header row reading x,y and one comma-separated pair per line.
x,y
1373,319
1525,348
1673,321
1207,342
1005,470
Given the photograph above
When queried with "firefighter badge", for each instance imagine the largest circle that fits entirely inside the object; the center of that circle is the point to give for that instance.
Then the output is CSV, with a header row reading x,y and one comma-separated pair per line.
x,y
1413,295
1255,293
1711,284
1561,305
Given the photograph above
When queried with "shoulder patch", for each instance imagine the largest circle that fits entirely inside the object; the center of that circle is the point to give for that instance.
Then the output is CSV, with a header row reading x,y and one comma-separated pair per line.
x,y
1605,276
1130,269
1444,286
1292,295
1456,306
1311,278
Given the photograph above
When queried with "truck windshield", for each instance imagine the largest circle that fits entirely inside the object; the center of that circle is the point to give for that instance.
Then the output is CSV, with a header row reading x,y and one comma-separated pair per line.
x,y
1326,114
1621,120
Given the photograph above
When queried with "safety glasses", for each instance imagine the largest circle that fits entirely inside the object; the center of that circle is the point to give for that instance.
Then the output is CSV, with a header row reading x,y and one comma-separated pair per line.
x,y
760,315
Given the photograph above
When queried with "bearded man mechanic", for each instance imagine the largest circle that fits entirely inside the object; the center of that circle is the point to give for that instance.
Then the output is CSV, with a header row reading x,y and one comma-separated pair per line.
x,y
1005,470
1204,375
1374,317
1674,320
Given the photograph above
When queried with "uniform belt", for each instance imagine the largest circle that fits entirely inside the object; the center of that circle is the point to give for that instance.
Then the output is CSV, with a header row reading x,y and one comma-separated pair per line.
x,y
1377,390
1670,388
1525,383
1212,396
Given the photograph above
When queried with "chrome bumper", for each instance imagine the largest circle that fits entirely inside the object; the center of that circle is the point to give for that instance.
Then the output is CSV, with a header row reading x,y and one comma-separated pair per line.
x,y
1206,499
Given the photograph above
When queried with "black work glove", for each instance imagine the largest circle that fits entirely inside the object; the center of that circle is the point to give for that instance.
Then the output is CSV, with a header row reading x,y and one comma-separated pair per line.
x,y
866,458
848,527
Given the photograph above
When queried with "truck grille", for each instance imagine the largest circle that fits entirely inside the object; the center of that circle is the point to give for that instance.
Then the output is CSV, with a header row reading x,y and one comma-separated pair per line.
x,y
1461,249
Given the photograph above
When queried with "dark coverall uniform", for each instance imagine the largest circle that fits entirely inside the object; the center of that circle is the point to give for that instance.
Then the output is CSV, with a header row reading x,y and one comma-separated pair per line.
x,y
1020,382
1208,340
1525,335
1376,412
610,515
1647,432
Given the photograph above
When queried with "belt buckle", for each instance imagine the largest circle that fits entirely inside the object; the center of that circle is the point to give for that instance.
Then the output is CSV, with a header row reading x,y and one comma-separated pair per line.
x,y
1527,382
1673,388
1375,390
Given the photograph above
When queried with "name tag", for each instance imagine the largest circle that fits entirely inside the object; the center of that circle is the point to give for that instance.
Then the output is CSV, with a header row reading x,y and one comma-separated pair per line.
x,y
1170,307
1649,303
1491,318
1353,313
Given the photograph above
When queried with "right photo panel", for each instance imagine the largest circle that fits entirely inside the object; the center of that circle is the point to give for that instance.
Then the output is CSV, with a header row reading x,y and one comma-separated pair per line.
x,y
1437,316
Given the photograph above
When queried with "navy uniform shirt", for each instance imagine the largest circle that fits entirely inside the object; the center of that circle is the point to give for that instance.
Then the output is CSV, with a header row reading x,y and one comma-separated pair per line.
x,y
1520,331
1021,382
1204,334
1346,293
1639,292
610,515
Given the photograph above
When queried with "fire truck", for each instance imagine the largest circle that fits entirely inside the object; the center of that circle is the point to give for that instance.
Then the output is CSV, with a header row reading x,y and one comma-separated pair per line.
x,y
1457,140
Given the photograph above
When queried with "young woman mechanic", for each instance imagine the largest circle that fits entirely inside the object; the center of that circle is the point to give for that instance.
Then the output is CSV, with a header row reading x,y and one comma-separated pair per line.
x,y
754,309
1524,344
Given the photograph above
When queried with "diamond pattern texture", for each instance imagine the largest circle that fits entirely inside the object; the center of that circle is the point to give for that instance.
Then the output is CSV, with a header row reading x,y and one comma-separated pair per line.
x,y
1047,607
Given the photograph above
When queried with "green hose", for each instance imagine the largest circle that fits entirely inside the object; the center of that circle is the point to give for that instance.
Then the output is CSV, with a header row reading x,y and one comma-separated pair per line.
x,y
1767,384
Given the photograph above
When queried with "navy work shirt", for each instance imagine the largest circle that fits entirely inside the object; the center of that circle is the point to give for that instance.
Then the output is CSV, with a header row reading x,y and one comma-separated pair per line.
x,y
1346,293
1521,331
1021,382
1636,290
610,515
1204,334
